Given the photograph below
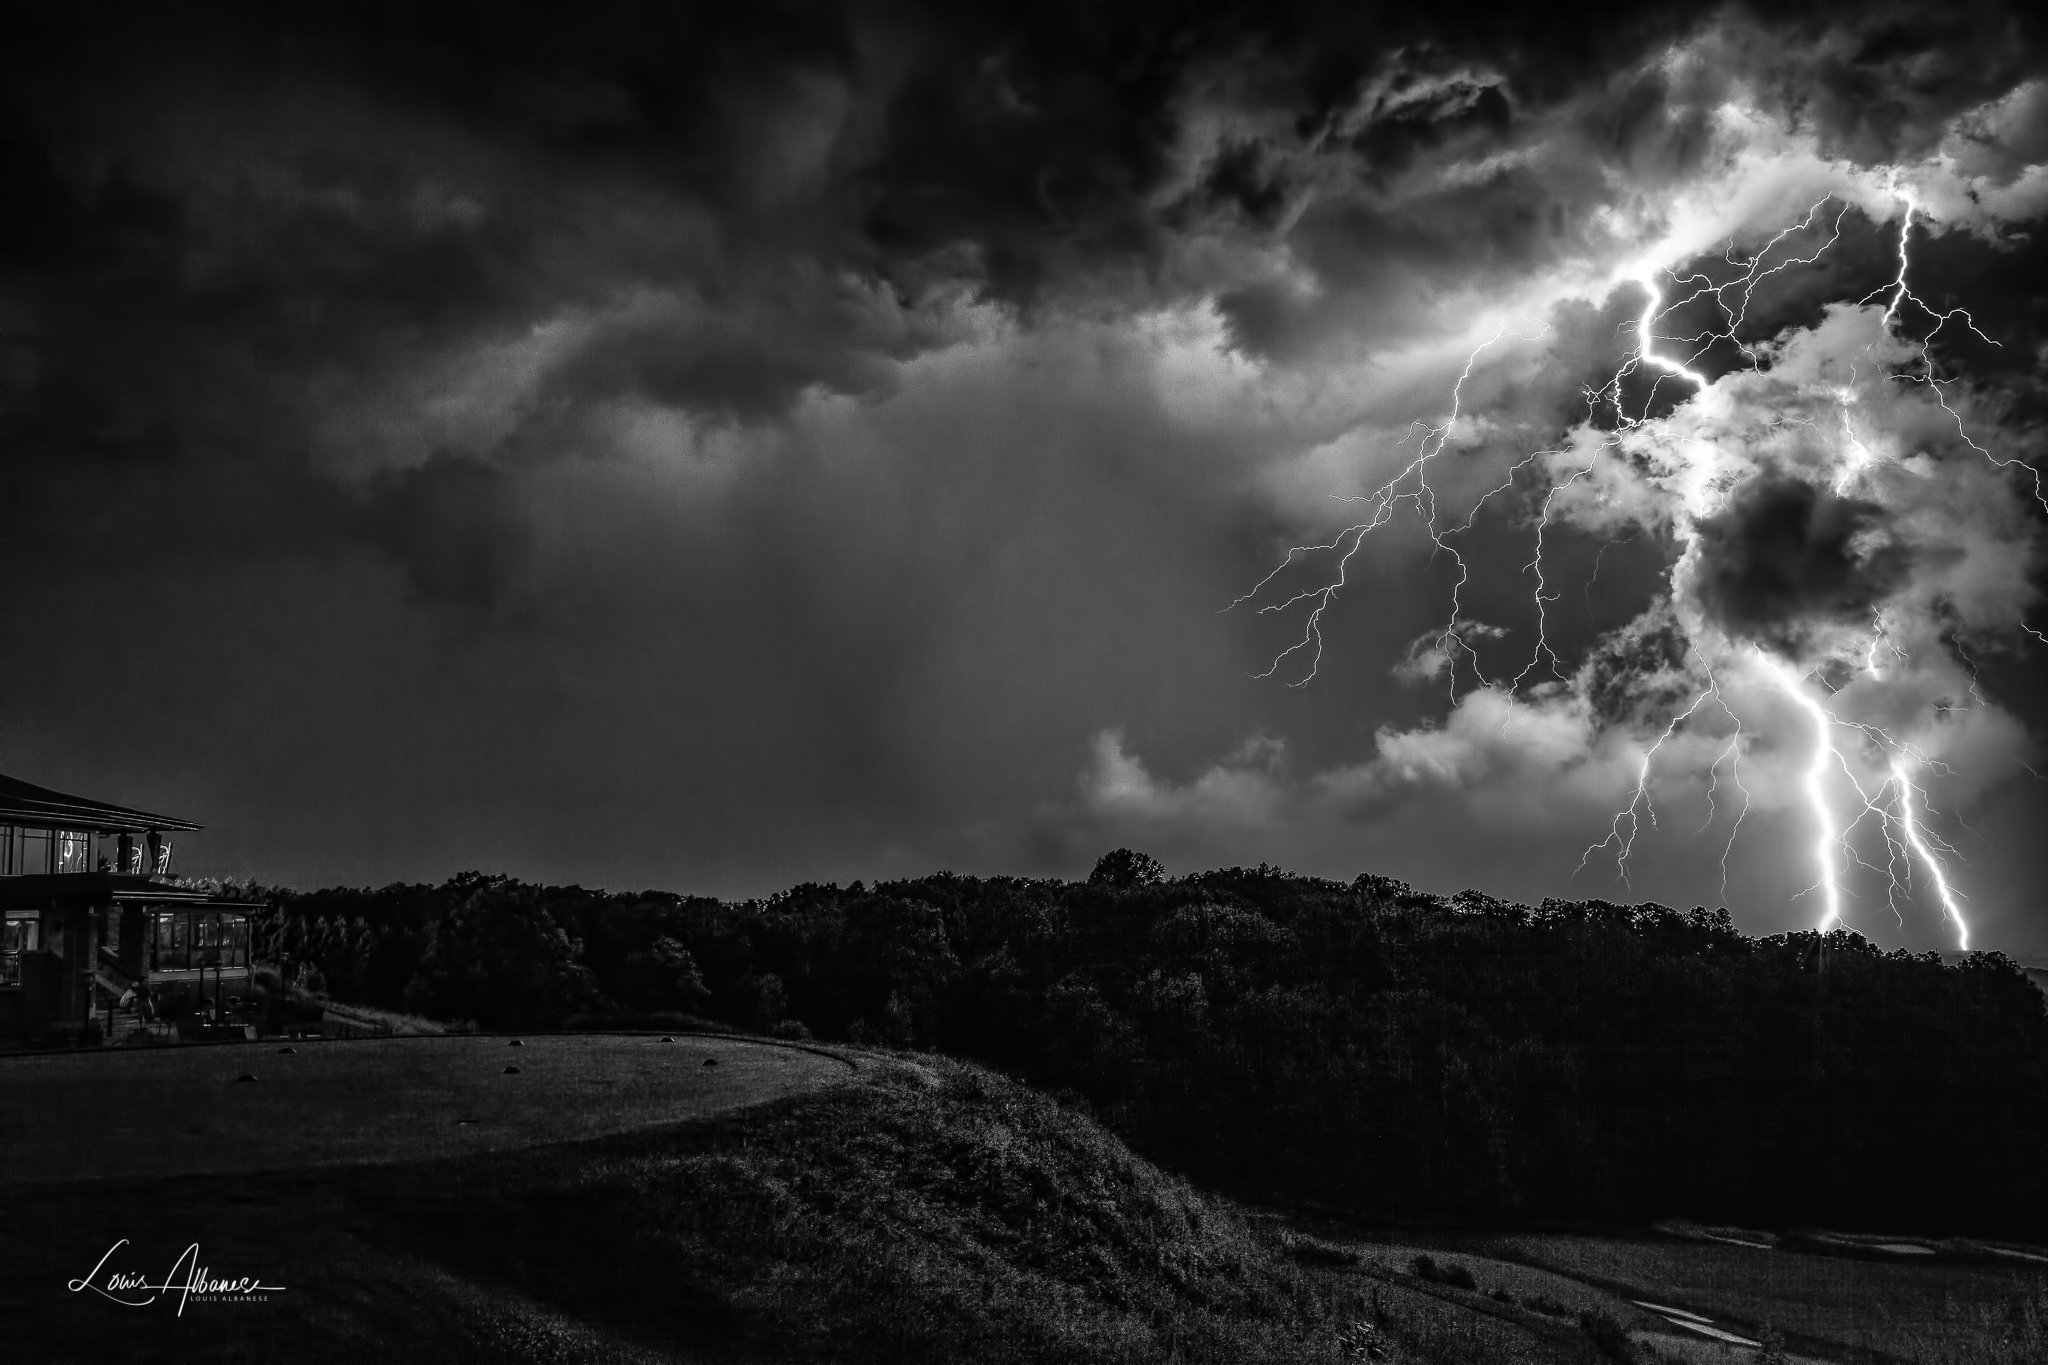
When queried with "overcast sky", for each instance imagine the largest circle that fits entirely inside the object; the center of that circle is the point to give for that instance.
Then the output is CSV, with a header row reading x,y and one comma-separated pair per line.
x,y
714,450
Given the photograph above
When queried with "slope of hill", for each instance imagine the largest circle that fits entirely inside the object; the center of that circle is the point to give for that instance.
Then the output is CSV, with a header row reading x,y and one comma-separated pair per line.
x,y
923,1210
928,1211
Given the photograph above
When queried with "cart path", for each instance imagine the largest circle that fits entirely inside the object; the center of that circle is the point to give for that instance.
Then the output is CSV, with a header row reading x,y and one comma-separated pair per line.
x,y
120,1115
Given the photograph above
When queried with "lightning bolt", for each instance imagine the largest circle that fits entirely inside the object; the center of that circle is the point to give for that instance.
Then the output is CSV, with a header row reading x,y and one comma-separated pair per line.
x,y
1831,846
1731,754
1384,501
1919,840
1624,844
1542,596
1897,804
1827,836
1902,294
1900,291
1831,842
1653,313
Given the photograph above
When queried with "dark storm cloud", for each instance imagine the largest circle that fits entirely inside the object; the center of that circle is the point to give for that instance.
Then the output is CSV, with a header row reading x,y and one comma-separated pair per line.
x,y
1247,182
658,440
2000,285
320,199
333,242
1644,668
458,527
1880,82
1054,138
1785,555
321,205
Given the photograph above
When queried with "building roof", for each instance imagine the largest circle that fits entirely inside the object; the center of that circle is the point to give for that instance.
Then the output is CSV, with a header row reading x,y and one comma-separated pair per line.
x,y
22,803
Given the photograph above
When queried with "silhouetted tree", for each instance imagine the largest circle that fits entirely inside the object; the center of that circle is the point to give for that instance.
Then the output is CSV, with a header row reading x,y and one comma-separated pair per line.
x,y
1121,868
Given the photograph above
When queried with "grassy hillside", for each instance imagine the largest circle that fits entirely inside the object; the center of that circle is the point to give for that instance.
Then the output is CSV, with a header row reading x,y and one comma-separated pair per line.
x,y
933,1213
937,1214
927,1211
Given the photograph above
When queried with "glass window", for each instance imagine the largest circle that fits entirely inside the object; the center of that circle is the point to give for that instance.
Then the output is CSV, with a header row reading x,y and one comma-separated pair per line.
x,y
19,933
173,941
74,851
234,941
34,856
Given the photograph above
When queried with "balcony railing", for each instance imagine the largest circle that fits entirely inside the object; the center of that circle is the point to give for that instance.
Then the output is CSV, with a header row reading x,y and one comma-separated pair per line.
x,y
45,852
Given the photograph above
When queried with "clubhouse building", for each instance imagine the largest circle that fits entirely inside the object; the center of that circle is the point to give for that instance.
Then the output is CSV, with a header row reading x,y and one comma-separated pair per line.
x,y
92,923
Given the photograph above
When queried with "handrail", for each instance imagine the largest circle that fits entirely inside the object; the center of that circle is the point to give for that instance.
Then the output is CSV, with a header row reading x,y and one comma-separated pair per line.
x,y
110,963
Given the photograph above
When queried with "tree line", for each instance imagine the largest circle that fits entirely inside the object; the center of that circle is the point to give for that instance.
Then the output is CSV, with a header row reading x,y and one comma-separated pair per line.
x,y
1359,1045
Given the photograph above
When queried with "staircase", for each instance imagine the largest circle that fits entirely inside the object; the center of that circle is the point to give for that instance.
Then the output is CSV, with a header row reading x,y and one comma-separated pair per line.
x,y
110,983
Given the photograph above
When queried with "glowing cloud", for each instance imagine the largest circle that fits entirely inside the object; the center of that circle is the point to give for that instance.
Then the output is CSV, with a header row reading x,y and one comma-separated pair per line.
x,y
1844,524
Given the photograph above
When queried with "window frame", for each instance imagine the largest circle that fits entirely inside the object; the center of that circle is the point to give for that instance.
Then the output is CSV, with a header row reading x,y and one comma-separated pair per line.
x,y
25,927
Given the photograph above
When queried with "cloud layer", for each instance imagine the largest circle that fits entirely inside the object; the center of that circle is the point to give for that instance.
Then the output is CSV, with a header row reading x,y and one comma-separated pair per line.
x,y
725,447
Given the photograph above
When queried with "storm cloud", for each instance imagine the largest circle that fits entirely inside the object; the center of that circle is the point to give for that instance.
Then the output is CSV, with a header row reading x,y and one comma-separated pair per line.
x,y
720,446
1783,552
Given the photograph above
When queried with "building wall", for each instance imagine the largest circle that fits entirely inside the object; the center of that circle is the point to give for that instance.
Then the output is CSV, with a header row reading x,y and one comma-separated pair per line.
x,y
43,994
58,990
129,945
56,982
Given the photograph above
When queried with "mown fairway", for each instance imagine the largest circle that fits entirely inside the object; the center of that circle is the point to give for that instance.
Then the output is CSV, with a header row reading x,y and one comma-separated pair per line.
x,y
1834,1307
1945,1308
182,1111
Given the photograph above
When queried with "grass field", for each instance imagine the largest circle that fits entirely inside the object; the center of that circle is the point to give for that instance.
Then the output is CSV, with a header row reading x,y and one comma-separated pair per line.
x,y
618,1200
930,1212
1939,1309
1825,1305
181,1111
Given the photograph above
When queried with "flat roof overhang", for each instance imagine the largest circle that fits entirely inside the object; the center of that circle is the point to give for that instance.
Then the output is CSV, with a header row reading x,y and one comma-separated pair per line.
x,y
25,804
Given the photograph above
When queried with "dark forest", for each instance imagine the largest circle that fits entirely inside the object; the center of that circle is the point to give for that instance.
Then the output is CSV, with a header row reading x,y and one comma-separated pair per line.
x,y
1362,1047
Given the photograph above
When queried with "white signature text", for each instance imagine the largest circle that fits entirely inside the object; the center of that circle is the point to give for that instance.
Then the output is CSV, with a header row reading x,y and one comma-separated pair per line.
x,y
187,1278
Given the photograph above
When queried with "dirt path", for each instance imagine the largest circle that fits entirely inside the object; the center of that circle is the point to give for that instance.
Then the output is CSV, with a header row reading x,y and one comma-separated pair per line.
x,y
182,1111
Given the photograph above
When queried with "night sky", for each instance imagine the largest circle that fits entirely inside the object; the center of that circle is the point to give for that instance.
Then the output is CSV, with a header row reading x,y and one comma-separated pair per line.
x,y
720,447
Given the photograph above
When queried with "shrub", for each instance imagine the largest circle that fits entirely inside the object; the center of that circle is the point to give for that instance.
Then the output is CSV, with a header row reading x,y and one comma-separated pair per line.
x,y
1449,1273
1363,1341
1609,1338
790,1030
1315,1251
762,999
